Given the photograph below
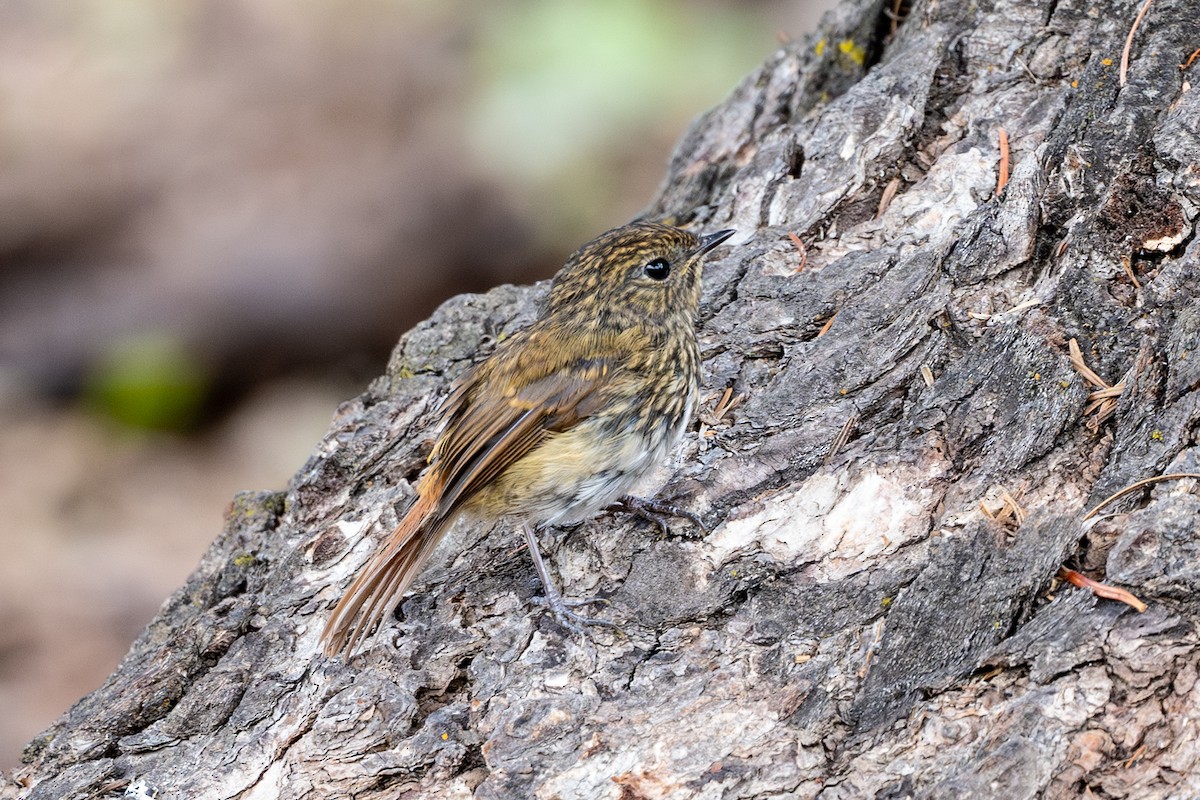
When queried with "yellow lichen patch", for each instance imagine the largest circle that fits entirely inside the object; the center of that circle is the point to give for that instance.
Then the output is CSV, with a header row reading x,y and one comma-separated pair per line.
x,y
820,48
855,52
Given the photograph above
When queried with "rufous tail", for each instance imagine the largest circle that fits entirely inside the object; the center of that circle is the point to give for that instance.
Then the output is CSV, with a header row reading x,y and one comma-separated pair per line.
x,y
386,577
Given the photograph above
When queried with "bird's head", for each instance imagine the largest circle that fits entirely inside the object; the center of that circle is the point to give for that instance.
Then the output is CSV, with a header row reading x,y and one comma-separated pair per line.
x,y
646,268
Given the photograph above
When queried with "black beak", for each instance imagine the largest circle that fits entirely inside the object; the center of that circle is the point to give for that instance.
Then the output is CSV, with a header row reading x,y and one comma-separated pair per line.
x,y
711,240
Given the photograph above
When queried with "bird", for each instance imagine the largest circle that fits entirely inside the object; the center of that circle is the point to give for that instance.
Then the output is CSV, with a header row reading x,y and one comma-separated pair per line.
x,y
561,420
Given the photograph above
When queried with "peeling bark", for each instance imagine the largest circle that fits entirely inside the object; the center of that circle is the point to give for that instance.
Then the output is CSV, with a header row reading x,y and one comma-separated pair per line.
x,y
850,624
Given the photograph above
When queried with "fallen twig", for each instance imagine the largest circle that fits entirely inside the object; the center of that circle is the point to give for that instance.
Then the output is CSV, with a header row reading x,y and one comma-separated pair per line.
x,y
709,419
828,324
1002,179
1009,515
1103,401
1133,487
1128,267
1082,368
803,250
866,667
1012,505
1123,74
1100,589
842,437
889,194
726,404
1137,756
895,16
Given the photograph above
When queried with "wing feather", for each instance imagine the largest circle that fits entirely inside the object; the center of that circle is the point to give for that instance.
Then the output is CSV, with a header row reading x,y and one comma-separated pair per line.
x,y
505,407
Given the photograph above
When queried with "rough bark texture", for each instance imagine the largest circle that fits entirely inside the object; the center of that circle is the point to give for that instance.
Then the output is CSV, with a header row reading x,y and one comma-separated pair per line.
x,y
850,625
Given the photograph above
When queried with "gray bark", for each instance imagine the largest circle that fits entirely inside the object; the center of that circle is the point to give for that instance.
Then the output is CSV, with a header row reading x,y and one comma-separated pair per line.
x,y
850,624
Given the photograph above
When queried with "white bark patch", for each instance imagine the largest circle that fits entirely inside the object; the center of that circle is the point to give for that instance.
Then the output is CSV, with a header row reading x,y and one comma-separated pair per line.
x,y
932,209
634,760
838,521
269,786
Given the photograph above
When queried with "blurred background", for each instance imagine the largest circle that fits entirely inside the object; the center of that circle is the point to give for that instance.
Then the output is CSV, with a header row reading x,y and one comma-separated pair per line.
x,y
217,217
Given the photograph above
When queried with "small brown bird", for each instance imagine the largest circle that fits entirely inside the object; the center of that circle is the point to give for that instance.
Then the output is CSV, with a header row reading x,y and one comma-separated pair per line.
x,y
562,419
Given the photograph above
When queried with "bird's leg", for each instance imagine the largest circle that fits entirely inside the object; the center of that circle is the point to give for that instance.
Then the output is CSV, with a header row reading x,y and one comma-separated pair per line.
x,y
553,599
656,511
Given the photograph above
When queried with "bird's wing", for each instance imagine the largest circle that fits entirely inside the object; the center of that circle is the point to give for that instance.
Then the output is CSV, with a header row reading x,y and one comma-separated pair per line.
x,y
499,414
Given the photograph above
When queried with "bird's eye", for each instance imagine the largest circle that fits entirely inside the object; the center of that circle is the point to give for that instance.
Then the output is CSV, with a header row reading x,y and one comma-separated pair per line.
x,y
658,269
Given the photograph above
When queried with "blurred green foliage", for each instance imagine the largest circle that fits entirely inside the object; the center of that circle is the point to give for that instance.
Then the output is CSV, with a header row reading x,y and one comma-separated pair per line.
x,y
564,89
148,382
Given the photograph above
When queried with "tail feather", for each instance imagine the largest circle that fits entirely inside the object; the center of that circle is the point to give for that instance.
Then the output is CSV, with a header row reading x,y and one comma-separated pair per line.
x,y
386,577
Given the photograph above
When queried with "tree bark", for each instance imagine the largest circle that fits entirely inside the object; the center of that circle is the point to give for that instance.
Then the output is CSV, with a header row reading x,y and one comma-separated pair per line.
x,y
871,610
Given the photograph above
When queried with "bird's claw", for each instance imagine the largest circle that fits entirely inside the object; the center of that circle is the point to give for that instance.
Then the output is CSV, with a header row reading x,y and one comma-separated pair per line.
x,y
561,609
657,512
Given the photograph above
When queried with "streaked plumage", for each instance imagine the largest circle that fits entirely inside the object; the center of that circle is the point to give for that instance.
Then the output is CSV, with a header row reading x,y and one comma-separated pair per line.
x,y
564,417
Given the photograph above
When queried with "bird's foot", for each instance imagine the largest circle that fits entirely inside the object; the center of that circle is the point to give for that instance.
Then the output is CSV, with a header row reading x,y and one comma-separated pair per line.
x,y
656,512
560,608
552,599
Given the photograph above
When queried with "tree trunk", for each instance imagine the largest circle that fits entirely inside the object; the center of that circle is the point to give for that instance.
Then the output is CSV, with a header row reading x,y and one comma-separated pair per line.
x,y
872,610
